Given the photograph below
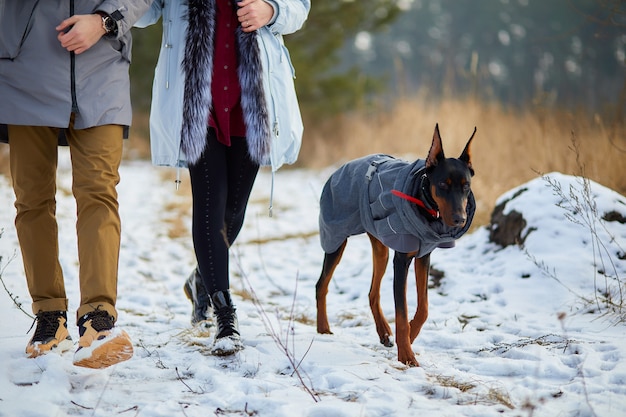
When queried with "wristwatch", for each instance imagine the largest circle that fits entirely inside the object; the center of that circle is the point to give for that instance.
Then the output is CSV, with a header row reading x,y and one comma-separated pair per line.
x,y
108,24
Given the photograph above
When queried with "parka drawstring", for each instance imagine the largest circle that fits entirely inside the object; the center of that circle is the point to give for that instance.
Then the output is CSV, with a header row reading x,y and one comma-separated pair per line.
x,y
271,196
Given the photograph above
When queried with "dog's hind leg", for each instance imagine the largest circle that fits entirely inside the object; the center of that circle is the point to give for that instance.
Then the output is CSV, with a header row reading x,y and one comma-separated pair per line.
x,y
422,266
331,260
401,262
380,256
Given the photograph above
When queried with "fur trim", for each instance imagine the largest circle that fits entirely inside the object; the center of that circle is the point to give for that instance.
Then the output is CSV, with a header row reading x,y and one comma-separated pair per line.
x,y
253,101
197,63
198,68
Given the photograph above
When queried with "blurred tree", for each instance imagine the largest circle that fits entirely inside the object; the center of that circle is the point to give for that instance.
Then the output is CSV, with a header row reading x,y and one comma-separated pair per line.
x,y
615,12
146,44
325,81
566,52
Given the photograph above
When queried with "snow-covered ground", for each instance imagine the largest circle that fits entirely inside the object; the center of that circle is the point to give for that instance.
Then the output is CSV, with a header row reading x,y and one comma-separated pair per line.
x,y
510,332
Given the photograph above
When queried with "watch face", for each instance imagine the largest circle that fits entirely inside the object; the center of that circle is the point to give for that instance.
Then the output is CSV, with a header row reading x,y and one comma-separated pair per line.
x,y
109,24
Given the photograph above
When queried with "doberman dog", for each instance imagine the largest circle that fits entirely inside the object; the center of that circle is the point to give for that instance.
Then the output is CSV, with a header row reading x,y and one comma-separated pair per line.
x,y
433,208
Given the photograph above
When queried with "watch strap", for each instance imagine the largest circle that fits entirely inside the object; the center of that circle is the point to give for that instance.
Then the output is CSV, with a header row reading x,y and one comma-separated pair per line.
x,y
108,23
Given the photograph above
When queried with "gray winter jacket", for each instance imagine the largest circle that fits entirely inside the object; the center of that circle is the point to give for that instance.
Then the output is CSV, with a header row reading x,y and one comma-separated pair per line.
x,y
41,83
357,198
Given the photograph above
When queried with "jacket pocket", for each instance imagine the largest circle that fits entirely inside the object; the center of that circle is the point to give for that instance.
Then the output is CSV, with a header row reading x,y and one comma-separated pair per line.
x,y
16,20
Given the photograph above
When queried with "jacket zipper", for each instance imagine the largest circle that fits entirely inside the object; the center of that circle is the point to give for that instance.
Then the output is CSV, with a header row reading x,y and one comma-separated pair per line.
x,y
167,33
73,70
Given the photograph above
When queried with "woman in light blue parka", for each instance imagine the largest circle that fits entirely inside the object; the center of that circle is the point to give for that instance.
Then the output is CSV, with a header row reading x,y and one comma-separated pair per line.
x,y
166,116
223,104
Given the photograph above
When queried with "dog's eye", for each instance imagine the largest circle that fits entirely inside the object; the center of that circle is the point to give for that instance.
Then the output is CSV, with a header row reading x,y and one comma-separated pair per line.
x,y
466,186
443,185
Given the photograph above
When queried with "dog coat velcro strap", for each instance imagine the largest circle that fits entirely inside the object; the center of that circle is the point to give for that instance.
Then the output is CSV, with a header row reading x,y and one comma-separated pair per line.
x,y
371,170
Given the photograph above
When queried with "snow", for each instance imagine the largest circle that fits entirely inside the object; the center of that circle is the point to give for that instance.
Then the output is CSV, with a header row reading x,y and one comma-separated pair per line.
x,y
511,331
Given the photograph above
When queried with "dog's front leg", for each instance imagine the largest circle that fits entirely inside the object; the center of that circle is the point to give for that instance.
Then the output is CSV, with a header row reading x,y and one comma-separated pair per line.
x,y
422,266
401,262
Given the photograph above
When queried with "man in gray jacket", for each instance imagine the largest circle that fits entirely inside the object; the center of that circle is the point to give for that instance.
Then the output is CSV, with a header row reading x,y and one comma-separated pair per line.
x,y
64,73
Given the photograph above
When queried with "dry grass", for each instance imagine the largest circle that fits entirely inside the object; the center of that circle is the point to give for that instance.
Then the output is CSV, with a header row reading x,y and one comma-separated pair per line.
x,y
476,392
509,149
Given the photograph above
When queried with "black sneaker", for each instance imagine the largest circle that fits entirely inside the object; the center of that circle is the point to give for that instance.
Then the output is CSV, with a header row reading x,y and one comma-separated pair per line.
x,y
202,311
227,338
50,335
101,344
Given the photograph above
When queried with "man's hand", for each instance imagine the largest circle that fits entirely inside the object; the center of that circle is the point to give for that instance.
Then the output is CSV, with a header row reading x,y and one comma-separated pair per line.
x,y
84,31
254,14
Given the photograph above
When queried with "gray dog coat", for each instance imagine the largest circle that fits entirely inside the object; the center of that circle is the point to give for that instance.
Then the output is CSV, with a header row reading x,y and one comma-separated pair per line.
x,y
357,198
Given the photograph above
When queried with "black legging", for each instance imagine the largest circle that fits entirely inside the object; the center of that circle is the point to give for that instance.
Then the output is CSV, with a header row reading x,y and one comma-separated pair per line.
x,y
221,182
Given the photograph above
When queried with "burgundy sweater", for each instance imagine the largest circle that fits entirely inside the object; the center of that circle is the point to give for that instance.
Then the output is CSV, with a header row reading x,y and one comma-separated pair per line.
x,y
226,114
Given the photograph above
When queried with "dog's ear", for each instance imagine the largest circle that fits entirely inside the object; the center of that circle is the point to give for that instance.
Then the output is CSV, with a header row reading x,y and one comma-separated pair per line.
x,y
466,155
435,154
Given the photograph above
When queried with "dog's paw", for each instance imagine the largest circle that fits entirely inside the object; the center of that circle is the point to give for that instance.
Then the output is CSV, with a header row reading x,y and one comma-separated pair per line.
x,y
412,363
386,340
407,358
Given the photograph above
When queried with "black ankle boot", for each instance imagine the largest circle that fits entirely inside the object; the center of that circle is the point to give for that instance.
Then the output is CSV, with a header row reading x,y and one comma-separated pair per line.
x,y
227,339
201,312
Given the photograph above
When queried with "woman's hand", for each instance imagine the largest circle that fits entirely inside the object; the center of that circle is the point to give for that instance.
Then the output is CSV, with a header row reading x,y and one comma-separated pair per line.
x,y
254,14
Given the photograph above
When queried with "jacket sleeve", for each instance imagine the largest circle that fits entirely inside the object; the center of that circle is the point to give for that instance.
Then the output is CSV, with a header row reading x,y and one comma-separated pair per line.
x,y
290,15
152,15
125,12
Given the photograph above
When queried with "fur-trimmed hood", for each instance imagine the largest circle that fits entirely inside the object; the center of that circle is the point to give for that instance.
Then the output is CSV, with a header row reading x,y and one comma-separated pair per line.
x,y
198,67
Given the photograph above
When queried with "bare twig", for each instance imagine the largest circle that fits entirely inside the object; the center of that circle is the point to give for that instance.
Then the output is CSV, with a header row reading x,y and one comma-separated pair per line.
x,y
581,209
158,361
133,408
551,273
80,405
180,378
276,335
549,340
579,367
283,345
104,389
12,296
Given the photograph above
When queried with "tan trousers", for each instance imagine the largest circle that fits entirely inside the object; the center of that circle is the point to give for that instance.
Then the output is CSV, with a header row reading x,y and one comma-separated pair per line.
x,y
96,155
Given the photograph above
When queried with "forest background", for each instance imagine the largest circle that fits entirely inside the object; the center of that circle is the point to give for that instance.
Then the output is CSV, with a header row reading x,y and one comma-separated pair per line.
x,y
543,81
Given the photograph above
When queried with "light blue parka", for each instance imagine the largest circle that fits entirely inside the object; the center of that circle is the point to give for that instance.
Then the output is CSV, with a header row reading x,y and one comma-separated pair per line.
x,y
166,114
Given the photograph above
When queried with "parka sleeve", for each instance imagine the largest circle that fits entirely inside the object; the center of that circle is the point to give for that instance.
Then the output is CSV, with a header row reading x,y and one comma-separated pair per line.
x,y
152,16
291,15
125,12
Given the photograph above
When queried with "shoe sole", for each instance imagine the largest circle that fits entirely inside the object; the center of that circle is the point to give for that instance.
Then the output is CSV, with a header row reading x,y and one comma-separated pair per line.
x,y
59,348
226,346
113,349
